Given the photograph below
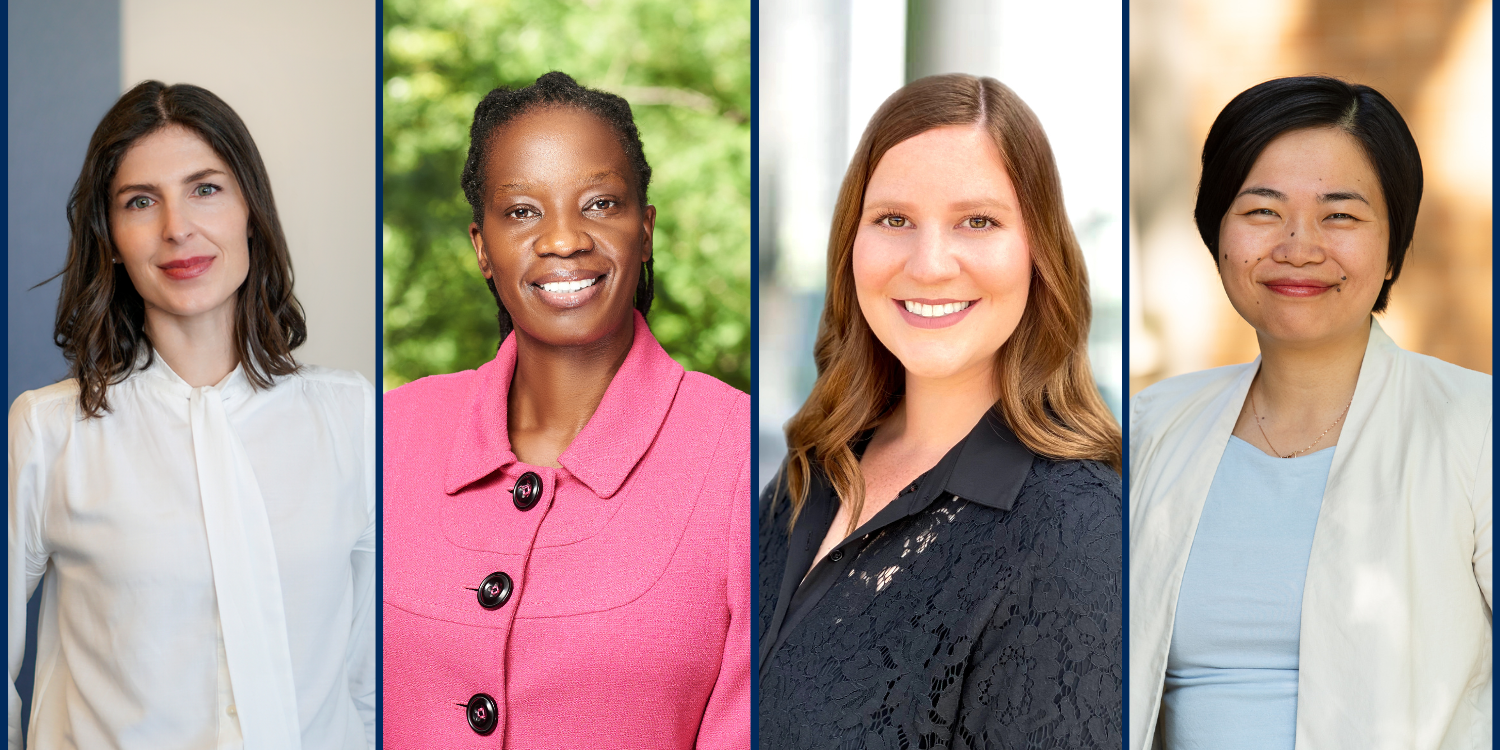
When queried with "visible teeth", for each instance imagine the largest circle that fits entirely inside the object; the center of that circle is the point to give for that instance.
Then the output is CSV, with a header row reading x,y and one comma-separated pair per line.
x,y
935,311
563,287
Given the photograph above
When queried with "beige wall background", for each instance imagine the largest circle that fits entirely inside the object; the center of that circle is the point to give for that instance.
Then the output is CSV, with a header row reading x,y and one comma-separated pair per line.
x,y
303,77
1188,58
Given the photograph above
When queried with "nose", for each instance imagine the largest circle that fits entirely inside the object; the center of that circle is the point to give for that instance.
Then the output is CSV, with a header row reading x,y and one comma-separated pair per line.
x,y
177,224
932,261
1303,243
562,235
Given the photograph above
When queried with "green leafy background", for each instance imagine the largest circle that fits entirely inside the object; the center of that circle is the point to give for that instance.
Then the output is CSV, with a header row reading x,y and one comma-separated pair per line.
x,y
684,67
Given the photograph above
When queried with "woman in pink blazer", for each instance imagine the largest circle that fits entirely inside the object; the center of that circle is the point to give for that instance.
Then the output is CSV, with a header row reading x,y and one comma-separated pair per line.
x,y
567,544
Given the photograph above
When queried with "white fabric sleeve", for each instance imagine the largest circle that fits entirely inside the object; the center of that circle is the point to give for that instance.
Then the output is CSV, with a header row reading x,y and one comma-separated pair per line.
x,y
1484,512
361,656
27,557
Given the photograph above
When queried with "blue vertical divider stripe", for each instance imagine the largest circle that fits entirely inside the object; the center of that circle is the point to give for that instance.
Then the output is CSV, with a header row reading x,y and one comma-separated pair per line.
x,y
379,370
754,363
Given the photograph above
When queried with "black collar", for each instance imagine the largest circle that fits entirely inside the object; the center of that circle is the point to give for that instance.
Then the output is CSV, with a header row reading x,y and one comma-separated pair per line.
x,y
987,467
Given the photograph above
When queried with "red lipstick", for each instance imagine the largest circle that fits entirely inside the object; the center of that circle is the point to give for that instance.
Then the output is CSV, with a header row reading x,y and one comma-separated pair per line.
x,y
187,268
1296,287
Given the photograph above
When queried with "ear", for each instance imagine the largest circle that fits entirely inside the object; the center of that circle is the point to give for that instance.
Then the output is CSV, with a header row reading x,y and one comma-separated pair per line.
x,y
476,238
648,228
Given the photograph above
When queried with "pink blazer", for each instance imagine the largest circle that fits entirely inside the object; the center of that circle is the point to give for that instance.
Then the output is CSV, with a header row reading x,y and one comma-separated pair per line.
x,y
604,604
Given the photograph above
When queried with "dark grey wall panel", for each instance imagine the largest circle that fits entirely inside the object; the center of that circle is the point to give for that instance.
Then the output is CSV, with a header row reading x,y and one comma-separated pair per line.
x,y
64,74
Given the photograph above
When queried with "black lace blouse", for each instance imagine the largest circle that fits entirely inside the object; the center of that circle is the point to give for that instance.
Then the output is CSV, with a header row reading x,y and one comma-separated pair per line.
x,y
979,609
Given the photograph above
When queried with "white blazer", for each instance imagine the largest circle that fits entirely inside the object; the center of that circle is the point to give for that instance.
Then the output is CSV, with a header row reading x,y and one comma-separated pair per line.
x,y
1396,635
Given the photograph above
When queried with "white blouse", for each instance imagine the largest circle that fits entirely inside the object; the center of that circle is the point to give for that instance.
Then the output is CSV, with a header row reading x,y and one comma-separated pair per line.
x,y
210,563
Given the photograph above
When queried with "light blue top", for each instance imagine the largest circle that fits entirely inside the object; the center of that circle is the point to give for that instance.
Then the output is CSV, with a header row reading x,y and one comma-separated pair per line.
x,y
1232,668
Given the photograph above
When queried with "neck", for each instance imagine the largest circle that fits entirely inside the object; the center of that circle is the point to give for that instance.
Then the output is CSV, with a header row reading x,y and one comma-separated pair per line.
x,y
555,390
940,412
1299,376
200,349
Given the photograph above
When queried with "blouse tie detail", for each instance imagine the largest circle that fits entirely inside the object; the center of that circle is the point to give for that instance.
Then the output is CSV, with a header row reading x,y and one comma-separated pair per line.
x,y
247,582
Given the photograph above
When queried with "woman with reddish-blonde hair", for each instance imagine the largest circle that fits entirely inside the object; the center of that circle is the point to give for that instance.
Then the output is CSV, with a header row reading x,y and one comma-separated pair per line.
x,y
940,554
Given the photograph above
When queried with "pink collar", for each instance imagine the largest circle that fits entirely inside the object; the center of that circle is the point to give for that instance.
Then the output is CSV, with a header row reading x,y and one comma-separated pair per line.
x,y
608,447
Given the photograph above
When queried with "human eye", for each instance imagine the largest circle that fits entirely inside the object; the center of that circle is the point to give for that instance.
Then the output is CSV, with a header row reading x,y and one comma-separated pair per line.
x,y
523,212
603,204
981,221
1341,217
892,220
138,203
205,190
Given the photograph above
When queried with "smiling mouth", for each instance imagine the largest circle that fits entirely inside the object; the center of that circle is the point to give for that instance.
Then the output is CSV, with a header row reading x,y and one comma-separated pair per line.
x,y
187,268
1299,287
935,311
568,287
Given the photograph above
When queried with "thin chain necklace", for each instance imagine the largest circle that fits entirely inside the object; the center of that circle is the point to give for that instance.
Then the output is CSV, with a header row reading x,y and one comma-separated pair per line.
x,y
1294,454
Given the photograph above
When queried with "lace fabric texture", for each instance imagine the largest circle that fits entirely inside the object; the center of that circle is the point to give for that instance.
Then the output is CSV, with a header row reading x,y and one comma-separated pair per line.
x,y
960,626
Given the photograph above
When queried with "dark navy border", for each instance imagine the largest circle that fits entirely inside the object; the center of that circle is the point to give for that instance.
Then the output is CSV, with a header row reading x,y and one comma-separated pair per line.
x,y
754,368
379,373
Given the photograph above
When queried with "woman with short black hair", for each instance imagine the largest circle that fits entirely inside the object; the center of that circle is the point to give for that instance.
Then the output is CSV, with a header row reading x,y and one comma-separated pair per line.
x,y
203,506
1310,532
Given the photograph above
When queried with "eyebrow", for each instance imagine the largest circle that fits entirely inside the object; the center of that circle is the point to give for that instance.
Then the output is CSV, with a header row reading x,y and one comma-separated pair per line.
x,y
981,204
1343,195
149,188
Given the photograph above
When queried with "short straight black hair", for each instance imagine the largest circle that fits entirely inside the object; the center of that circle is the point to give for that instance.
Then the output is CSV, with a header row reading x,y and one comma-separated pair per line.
x,y
1261,113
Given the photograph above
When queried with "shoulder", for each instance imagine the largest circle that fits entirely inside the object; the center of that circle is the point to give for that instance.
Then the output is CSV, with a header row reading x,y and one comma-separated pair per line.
x,y
56,404
62,392
1078,489
422,395
1445,382
332,379
324,387
1182,389
707,402
706,394
1160,405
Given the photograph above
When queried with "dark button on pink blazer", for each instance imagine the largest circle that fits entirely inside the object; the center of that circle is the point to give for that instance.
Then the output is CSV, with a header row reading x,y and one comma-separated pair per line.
x,y
629,622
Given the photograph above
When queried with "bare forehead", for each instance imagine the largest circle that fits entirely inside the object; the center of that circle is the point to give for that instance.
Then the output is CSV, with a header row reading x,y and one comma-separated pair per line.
x,y
1311,151
168,150
948,160
555,142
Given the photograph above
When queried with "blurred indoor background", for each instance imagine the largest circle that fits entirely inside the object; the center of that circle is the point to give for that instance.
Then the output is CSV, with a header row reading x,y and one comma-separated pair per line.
x,y
1188,58
685,69
298,74
826,65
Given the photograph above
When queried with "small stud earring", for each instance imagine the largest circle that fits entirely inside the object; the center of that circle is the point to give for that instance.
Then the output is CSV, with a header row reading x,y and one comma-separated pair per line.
x,y
116,260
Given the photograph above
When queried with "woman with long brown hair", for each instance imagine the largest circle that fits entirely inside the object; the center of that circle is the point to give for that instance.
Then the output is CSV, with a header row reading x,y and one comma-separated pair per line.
x,y
197,506
940,555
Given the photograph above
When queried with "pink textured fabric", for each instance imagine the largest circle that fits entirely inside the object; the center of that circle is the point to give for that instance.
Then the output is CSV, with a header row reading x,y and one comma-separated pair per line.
x,y
629,624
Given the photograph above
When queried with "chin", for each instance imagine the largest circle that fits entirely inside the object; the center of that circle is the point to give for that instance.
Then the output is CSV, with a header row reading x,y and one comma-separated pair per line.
x,y
925,363
568,328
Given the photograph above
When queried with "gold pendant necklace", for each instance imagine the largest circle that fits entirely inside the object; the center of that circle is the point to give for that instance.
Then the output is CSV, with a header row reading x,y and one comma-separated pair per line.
x,y
1293,454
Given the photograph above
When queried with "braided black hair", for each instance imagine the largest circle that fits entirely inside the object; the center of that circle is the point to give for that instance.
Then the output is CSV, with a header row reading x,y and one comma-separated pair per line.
x,y
554,89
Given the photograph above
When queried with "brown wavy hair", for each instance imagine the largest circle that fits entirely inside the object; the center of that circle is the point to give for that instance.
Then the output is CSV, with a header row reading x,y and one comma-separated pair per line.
x,y
1047,391
101,319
